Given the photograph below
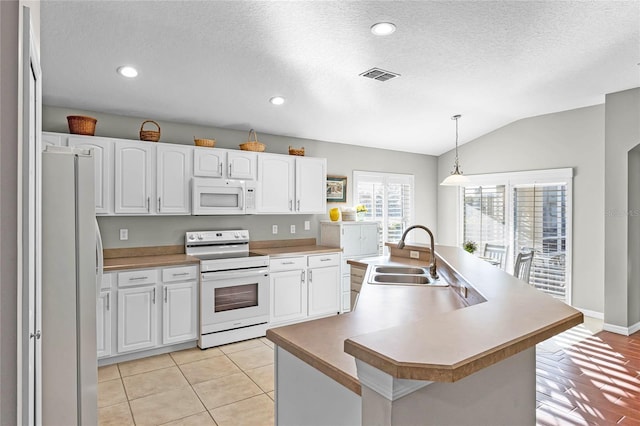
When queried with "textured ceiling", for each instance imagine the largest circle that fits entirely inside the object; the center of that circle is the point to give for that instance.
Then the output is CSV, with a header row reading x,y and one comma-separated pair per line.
x,y
218,62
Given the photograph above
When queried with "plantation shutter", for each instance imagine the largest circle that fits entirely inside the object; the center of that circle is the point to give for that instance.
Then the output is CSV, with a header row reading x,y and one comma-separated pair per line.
x,y
484,215
540,224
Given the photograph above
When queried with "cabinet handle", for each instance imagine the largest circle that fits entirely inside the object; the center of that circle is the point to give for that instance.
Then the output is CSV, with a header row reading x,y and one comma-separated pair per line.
x,y
326,259
220,173
154,296
137,278
288,263
310,275
298,205
158,204
302,278
108,301
148,199
290,205
165,295
229,169
181,274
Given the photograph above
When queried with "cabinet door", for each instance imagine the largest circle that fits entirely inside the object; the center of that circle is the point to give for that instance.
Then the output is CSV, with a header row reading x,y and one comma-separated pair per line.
x,y
276,175
179,309
103,324
103,166
209,162
51,139
351,240
288,296
137,318
173,163
134,177
241,165
369,239
324,290
311,186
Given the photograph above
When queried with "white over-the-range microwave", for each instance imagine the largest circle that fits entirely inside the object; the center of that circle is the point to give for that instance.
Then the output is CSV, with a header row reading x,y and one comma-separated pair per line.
x,y
211,196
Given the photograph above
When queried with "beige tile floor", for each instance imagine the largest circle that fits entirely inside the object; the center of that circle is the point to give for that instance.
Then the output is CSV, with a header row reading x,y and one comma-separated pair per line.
x,y
227,385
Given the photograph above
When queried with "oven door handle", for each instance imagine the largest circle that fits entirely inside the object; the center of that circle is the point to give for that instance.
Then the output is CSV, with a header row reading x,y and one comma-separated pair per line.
x,y
222,275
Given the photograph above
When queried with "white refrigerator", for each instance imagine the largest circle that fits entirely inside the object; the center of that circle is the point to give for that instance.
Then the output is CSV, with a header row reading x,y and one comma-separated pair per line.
x,y
69,358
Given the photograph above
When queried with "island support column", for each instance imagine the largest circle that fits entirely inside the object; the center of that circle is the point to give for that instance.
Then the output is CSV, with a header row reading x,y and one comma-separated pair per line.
x,y
502,394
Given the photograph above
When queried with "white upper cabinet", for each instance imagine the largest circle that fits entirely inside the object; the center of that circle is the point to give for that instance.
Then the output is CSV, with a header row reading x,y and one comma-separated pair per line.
x,y
52,139
173,165
102,149
134,167
241,165
209,162
276,177
311,186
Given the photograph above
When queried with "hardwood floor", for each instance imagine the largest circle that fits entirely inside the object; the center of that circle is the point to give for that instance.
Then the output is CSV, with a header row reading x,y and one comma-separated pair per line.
x,y
588,379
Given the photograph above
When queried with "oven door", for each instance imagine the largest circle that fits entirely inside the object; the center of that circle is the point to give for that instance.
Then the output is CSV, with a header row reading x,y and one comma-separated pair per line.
x,y
217,196
233,299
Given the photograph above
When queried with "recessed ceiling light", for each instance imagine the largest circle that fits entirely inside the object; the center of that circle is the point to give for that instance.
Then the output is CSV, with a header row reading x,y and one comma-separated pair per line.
x,y
127,71
277,100
383,28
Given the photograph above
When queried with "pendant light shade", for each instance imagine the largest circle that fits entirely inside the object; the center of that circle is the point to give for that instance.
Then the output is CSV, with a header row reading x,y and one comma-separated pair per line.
x,y
456,178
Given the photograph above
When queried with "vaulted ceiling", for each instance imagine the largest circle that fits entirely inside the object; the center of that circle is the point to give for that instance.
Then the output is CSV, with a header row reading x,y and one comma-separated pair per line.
x,y
217,63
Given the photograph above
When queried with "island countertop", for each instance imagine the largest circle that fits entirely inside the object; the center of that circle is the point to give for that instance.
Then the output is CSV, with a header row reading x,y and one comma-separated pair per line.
x,y
430,333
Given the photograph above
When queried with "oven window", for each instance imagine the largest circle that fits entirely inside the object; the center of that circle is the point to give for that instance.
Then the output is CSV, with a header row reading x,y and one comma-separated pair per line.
x,y
219,200
235,297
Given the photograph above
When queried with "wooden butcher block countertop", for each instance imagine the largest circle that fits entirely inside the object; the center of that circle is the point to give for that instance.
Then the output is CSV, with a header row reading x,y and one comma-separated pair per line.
x,y
146,257
430,333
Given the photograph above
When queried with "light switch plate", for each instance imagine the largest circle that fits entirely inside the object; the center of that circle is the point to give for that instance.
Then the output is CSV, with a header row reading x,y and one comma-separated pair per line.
x,y
307,225
293,229
124,234
414,254
274,229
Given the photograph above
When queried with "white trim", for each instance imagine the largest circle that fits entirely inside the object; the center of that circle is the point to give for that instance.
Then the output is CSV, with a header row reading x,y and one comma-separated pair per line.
x,y
515,178
591,314
386,385
625,331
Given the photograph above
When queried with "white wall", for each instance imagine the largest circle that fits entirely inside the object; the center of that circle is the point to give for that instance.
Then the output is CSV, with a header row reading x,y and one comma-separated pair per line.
x,y
9,16
342,160
622,135
572,138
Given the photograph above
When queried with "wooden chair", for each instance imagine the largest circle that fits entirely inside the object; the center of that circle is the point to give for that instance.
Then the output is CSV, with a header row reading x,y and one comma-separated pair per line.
x,y
522,269
497,252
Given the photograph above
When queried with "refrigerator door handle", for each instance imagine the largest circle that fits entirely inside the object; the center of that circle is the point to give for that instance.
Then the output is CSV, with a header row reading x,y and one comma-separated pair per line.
x,y
99,256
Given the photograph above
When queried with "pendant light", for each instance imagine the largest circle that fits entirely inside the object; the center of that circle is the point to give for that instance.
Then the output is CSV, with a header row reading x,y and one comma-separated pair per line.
x,y
456,178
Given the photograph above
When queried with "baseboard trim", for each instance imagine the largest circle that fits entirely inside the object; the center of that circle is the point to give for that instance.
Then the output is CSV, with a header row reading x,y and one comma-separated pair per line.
x,y
625,331
592,314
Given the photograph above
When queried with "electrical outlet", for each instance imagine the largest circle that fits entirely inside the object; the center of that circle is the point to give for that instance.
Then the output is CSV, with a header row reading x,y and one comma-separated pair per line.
x,y
307,225
124,234
293,229
274,229
414,254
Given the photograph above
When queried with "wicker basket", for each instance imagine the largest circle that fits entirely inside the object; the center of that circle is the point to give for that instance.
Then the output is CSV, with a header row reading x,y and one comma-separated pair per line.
x,y
82,125
209,143
296,151
252,145
149,135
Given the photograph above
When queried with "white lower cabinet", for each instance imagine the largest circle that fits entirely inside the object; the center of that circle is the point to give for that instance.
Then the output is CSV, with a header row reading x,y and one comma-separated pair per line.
x,y
179,312
103,324
304,287
137,318
155,307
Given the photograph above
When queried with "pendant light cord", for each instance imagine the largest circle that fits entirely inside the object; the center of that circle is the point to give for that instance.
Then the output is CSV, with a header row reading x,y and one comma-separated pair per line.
x,y
456,169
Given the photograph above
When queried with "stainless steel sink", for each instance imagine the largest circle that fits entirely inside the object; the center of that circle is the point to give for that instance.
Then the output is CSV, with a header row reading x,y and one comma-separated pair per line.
x,y
401,279
399,270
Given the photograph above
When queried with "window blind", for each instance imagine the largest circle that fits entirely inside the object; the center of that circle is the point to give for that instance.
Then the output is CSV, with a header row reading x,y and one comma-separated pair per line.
x,y
484,215
388,199
540,224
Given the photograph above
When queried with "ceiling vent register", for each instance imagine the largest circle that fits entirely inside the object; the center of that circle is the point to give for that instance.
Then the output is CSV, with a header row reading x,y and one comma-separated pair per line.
x,y
379,74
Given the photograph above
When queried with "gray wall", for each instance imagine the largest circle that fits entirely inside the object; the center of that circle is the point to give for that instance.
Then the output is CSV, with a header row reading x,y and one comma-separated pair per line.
x,y
622,135
572,138
342,160
8,208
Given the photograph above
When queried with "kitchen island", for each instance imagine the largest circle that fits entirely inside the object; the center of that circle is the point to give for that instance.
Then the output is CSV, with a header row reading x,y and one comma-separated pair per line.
x,y
463,354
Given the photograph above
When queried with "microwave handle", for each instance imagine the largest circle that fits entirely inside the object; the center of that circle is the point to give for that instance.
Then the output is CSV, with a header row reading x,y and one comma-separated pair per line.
x,y
243,192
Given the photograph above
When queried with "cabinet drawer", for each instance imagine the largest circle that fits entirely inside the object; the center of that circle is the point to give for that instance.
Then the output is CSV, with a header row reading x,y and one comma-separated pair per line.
x,y
137,277
287,263
181,273
329,259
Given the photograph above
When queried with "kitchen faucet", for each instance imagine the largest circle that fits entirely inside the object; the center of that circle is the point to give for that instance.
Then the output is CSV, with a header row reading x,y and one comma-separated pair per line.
x,y
432,266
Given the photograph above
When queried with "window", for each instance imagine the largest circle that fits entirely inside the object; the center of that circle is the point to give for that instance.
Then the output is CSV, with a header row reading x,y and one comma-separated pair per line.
x,y
524,211
389,201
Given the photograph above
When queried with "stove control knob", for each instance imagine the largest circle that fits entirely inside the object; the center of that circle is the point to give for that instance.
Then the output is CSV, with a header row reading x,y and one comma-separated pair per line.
x,y
236,235
192,237
200,237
